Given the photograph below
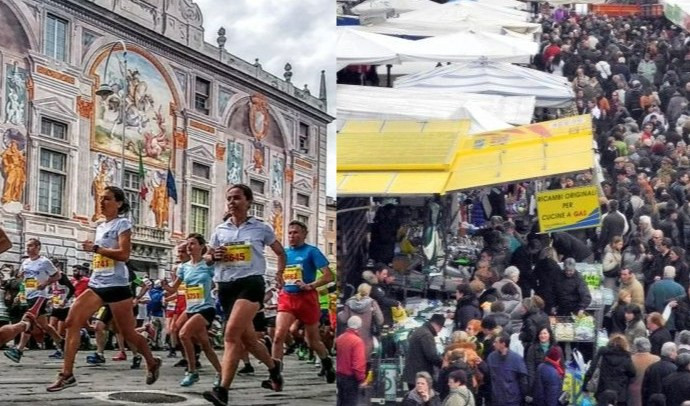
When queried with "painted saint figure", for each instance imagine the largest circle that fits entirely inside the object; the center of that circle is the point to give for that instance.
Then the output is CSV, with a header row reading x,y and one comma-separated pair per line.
x,y
159,204
100,182
14,170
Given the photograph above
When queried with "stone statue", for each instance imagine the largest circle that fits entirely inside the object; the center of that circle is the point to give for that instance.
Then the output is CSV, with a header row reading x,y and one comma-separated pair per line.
x,y
277,178
14,170
160,204
100,181
277,219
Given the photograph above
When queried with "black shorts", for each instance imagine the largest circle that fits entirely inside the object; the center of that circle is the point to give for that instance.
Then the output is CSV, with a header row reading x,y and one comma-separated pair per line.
x,y
140,322
251,288
43,311
325,318
259,322
208,313
104,314
60,314
270,321
113,294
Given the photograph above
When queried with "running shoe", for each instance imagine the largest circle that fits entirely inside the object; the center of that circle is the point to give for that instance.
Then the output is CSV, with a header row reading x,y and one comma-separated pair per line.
x,y
181,363
14,354
95,359
62,383
136,362
218,396
121,356
247,370
327,366
190,378
172,354
56,355
152,375
290,349
276,377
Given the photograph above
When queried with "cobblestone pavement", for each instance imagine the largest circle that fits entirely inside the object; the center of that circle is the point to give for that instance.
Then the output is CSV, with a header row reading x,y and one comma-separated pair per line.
x,y
24,384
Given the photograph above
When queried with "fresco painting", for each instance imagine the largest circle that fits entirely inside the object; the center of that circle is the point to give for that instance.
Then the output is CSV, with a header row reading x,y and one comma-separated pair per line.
x,y
235,159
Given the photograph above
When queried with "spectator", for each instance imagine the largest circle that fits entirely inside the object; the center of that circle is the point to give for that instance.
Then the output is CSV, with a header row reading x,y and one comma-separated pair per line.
x,y
467,307
368,311
508,374
511,275
454,360
616,368
459,394
612,262
351,362
641,359
499,315
547,272
534,320
677,260
630,284
655,374
676,385
616,317
635,326
658,333
681,312
613,224
572,295
548,383
422,394
535,354
663,291
378,280
422,353
684,342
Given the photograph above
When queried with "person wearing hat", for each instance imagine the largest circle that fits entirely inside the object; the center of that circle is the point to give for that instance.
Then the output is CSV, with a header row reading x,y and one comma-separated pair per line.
x,y
548,382
572,295
422,353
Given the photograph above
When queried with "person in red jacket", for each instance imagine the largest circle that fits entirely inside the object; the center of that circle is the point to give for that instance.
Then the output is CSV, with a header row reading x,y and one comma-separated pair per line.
x,y
351,362
80,279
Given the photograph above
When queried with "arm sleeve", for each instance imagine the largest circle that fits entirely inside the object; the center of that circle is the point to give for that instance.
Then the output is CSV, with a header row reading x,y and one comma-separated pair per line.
x,y
64,280
269,236
123,225
319,259
378,315
359,361
430,353
214,242
380,296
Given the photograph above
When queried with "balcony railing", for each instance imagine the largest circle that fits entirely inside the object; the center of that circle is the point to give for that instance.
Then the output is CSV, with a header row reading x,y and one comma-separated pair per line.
x,y
149,234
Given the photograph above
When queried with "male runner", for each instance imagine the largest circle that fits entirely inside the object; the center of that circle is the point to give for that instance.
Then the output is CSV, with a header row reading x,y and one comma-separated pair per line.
x,y
38,273
62,296
298,300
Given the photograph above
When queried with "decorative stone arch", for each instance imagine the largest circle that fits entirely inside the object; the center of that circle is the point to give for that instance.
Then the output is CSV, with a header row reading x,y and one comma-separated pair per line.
x,y
241,105
26,21
99,51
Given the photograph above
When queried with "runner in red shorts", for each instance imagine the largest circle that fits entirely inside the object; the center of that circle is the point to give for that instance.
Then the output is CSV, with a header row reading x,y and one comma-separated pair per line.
x,y
298,300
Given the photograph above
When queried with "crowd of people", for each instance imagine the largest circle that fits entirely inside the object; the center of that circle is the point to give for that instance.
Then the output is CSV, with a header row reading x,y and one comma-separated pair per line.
x,y
632,75
222,280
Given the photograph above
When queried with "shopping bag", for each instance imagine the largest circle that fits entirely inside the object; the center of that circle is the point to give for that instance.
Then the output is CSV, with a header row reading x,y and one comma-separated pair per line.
x,y
572,382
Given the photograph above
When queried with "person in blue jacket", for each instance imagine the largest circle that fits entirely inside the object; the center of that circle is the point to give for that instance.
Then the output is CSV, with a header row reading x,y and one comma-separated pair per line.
x,y
548,381
508,374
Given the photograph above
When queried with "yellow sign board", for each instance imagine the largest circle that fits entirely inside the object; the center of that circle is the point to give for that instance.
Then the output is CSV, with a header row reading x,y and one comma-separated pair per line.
x,y
568,209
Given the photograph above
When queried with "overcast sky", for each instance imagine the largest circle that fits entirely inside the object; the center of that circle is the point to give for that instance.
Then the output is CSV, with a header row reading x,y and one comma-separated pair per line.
x,y
301,32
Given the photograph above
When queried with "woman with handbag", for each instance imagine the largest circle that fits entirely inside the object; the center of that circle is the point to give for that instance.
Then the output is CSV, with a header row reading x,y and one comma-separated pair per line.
x,y
369,311
612,261
611,369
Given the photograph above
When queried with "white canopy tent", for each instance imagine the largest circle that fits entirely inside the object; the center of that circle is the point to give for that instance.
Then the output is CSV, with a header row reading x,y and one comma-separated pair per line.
x,y
460,11
400,6
356,47
515,4
497,78
472,45
396,26
487,112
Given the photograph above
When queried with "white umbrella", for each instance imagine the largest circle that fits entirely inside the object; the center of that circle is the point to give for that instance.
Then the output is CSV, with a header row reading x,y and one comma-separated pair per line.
x,y
472,45
400,6
497,78
356,47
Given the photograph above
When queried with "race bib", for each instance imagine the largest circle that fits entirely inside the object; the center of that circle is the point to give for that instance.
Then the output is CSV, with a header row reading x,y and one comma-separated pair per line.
x,y
100,313
195,295
239,253
103,264
57,301
30,285
292,274
181,289
171,305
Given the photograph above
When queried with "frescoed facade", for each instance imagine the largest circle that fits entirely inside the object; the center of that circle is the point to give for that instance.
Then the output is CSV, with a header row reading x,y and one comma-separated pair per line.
x,y
172,104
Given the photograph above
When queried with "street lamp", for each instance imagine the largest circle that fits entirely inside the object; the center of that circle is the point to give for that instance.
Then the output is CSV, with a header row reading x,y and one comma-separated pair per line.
x,y
105,90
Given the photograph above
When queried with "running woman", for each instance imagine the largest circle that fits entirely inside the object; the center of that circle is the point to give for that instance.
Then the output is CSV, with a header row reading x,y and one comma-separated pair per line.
x,y
240,266
198,278
299,300
109,285
38,273
10,331
62,292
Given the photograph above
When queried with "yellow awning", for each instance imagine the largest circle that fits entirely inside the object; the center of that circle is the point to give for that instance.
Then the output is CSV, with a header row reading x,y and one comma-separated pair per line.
x,y
390,158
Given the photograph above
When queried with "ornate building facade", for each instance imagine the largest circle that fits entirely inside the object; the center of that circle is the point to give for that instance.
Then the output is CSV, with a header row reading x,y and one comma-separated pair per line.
x,y
127,93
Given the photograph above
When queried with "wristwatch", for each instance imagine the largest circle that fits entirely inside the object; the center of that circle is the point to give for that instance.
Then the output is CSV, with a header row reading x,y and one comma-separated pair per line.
x,y
95,248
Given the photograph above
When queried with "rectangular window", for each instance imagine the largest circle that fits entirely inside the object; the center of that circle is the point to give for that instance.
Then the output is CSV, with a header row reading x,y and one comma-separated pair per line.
x,y
303,138
53,129
202,95
56,37
199,213
303,219
257,210
302,200
330,248
258,186
131,188
201,170
331,225
52,182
